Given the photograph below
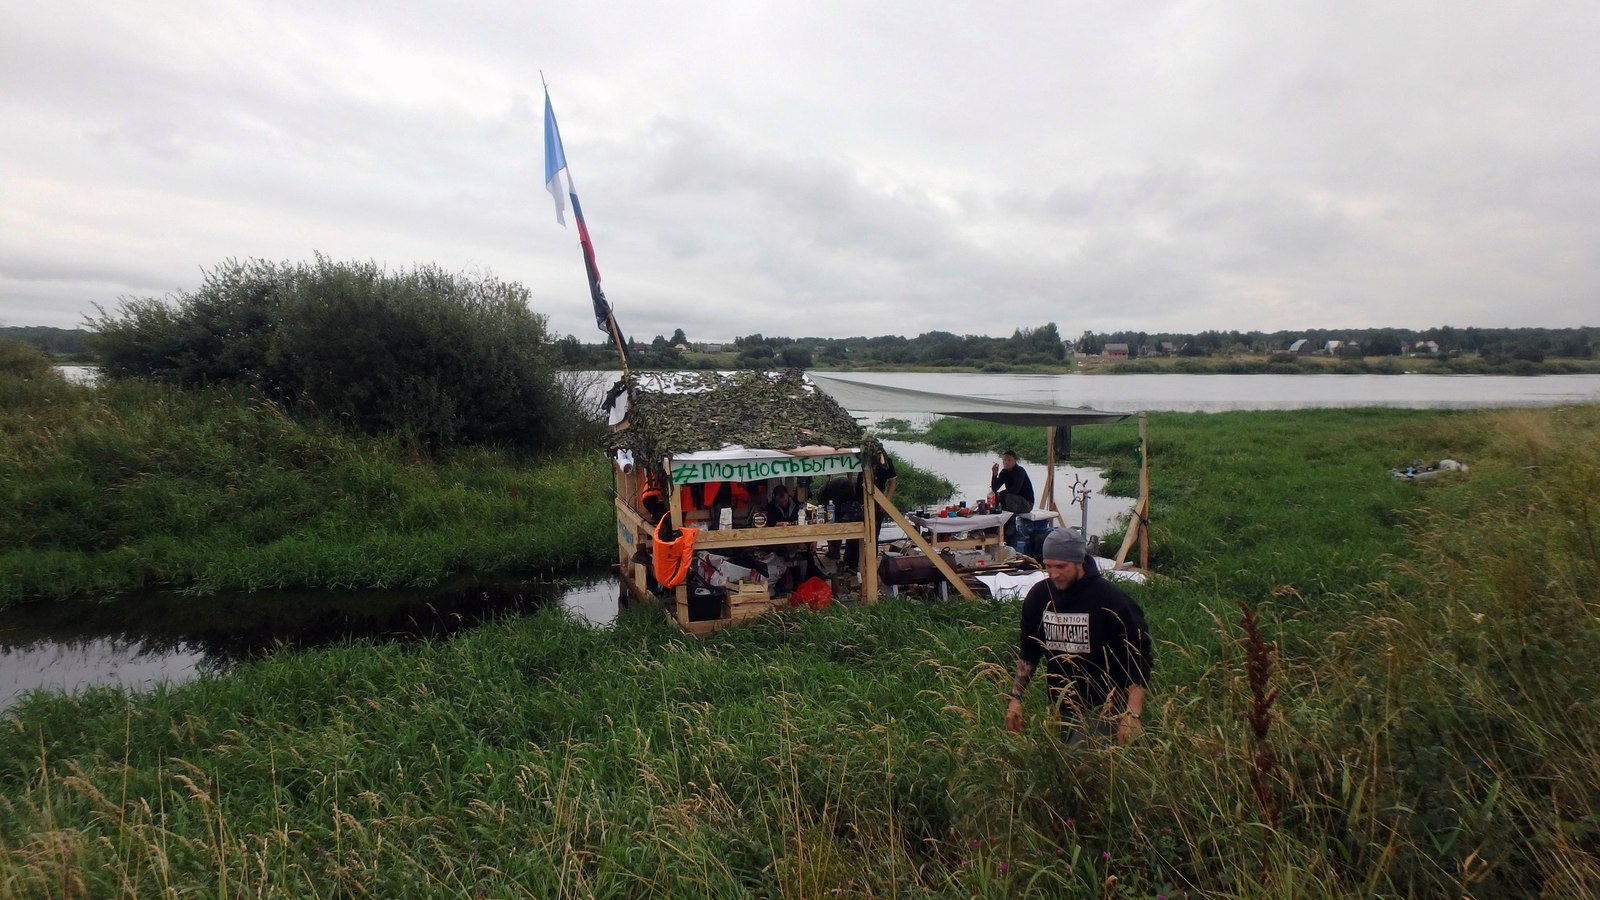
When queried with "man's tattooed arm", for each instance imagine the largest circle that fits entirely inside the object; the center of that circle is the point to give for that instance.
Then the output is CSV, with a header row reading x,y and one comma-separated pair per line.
x,y
1019,682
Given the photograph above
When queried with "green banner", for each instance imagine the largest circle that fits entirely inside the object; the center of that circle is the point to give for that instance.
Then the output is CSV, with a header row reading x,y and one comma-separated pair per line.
x,y
757,469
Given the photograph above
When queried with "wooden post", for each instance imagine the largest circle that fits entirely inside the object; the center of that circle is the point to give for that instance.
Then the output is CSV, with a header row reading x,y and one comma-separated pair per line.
x,y
1144,496
1134,529
680,594
916,538
867,559
1048,500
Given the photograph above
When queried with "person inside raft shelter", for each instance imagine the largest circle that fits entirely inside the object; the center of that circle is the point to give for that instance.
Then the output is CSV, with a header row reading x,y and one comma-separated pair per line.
x,y
754,500
884,478
791,563
783,509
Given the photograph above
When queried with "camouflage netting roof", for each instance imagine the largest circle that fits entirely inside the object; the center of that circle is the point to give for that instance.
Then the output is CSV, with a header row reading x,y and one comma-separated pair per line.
x,y
707,411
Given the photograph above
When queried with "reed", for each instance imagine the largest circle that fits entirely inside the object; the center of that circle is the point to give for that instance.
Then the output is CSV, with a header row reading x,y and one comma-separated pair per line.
x,y
1430,721
132,485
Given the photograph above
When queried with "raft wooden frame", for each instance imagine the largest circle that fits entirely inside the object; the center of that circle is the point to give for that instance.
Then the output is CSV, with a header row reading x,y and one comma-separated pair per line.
x,y
633,530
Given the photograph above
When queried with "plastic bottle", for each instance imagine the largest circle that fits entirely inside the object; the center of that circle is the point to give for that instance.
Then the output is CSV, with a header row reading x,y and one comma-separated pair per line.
x,y
832,513
800,517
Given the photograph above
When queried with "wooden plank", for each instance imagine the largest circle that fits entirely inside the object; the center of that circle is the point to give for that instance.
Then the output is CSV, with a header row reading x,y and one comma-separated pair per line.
x,y
1135,525
970,543
1048,500
787,534
638,592
868,558
1144,496
915,536
631,516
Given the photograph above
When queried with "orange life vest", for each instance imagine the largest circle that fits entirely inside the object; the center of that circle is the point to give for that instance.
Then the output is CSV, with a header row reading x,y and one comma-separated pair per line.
x,y
706,494
672,558
650,486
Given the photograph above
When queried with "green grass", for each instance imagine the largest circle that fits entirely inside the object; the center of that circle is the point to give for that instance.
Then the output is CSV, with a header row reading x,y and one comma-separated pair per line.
x,y
918,487
132,485
1435,660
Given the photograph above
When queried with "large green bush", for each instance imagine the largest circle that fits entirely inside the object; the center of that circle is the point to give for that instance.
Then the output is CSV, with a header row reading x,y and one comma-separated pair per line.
x,y
445,358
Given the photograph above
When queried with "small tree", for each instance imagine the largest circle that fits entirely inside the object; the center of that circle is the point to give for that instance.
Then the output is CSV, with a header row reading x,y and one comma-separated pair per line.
x,y
441,357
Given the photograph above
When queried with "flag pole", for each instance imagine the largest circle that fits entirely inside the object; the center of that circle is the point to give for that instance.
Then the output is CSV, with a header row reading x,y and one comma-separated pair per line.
x,y
597,294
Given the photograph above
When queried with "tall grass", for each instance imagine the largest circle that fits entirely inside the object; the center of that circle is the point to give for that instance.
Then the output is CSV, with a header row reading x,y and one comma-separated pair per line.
x,y
133,484
1431,734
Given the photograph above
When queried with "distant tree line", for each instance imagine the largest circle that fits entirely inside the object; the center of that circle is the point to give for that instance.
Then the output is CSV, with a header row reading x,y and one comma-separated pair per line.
x,y
1025,347
1529,344
1044,346
65,345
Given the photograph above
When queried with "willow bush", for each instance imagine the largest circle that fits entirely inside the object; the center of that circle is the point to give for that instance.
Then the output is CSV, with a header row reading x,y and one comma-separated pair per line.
x,y
445,359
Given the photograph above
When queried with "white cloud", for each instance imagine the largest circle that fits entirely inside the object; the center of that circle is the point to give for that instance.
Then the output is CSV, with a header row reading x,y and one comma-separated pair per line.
x,y
827,168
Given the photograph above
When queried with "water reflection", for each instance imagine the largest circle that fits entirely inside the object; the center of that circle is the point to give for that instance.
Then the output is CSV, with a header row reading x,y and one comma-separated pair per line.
x,y
141,640
969,472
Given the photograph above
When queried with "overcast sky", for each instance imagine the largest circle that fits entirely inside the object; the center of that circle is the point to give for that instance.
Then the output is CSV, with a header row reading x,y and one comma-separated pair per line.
x,y
825,168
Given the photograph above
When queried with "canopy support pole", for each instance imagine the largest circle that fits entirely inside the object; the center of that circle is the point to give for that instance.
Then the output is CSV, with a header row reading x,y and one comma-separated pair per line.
x,y
1144,496
680,594
1048,499
1139,521
868,558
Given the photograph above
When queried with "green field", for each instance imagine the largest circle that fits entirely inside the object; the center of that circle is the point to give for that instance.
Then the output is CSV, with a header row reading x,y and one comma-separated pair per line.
x,y
1420,724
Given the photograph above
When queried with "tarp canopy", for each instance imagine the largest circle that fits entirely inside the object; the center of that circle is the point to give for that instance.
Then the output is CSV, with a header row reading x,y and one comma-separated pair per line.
x,y
859,397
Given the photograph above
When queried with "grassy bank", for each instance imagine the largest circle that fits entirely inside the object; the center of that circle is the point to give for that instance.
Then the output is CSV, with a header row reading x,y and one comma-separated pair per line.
x,y
1423,726
130,485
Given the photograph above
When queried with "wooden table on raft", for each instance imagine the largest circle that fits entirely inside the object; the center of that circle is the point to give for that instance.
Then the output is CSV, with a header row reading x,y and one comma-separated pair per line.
x,y
986,532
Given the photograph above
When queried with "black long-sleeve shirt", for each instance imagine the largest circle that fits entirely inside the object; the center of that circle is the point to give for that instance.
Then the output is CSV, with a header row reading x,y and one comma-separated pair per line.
x,y
1015,481
1093,639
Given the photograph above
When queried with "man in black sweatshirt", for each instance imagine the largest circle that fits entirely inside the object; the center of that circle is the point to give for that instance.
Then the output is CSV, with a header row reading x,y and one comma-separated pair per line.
x,y
1094,640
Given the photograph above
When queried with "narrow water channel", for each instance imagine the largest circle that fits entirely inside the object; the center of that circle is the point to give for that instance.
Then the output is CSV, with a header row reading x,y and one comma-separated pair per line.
x,y
969,472
141,640
138,641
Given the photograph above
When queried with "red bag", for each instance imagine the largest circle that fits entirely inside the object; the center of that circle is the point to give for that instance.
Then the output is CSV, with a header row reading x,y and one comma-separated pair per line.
x,y
813,592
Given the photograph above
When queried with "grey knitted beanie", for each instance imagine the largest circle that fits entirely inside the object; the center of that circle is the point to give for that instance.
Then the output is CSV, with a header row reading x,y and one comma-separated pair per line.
x,y
1064,545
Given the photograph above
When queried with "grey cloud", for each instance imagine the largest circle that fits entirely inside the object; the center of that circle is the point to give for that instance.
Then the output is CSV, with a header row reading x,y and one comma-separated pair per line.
x,y
815,171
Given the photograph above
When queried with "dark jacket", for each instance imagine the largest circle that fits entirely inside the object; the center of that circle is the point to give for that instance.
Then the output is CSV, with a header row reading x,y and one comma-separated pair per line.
x,y
788,510
1015,481
1093,637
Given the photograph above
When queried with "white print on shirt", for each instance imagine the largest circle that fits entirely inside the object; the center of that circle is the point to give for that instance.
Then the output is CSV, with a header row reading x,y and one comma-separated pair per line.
x,y
1066,632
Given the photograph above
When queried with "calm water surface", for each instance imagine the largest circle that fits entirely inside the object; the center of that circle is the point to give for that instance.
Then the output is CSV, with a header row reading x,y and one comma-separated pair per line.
x,y
1215,393
138,641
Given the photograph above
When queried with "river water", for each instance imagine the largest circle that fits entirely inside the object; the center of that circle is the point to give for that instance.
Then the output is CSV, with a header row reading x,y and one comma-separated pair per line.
x,y
138,641
1216,393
